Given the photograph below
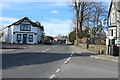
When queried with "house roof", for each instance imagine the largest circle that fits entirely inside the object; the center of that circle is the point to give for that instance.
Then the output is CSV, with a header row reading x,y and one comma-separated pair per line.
x,y
110,9
117,6
35,24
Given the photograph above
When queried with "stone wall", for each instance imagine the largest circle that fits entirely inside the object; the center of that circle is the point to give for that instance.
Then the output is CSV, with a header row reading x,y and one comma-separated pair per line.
x,y
101,49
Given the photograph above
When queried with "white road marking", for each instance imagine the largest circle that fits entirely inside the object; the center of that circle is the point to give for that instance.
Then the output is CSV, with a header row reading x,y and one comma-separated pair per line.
x,y
65,62
53,46
52,76
58,70
72,54
47,49
31,46
43,51
68,59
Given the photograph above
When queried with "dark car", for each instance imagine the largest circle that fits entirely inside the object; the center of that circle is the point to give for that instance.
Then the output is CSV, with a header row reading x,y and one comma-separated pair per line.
x,y
48,42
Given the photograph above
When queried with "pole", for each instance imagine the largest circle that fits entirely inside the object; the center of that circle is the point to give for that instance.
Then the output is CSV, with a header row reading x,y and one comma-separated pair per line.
x,y
77,17
76,29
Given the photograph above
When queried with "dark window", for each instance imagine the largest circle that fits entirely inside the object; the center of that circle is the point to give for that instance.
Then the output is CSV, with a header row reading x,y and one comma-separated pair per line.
x,y
25,27
30,38
111,32
18,37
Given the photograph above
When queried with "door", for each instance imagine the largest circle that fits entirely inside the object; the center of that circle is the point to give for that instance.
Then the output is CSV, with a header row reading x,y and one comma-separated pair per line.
x,y
24,38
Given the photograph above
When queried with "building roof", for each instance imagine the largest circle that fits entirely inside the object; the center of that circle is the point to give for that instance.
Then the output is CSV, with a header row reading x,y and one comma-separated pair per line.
x,y
117,6
35,24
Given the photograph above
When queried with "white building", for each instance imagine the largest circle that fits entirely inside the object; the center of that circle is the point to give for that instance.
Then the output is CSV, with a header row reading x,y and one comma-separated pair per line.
x,y
24,31
114,23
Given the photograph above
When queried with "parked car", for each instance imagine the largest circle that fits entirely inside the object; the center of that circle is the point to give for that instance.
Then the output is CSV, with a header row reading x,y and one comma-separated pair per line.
x,y
48,42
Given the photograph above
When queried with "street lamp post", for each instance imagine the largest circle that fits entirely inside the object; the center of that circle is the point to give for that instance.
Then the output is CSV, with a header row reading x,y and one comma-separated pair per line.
x,y
106,23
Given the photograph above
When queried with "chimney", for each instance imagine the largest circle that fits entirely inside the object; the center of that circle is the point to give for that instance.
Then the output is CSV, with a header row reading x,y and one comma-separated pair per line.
x,y
38,23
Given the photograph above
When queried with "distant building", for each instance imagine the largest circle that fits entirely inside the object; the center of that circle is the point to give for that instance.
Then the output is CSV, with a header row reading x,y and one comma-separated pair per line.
x,y
24,31
114,23
1,35
60,39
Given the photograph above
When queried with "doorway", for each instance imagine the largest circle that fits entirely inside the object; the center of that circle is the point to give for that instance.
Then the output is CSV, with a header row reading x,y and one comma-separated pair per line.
x,y
24,38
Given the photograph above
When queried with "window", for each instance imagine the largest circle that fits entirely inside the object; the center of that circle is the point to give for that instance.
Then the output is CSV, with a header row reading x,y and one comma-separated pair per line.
x,y
30,38
113,17
18,37
25,27
111,32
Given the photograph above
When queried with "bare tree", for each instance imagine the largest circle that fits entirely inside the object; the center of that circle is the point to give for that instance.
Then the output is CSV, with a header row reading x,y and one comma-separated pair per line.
x,y
98,13
88,15
76,6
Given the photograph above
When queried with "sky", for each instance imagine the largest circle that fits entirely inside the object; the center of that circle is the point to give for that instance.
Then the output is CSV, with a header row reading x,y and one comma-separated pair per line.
x,y
56,17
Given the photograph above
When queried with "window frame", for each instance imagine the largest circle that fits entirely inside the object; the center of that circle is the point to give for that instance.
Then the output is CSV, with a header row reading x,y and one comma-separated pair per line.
x,y
25,27
18,37
111,32
30,39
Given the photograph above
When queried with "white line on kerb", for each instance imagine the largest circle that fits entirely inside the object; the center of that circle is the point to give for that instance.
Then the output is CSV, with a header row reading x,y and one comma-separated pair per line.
x,y
52,76
58,70
43,51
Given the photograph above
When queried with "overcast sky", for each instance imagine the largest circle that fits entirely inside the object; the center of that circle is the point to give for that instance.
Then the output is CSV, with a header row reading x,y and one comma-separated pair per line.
x,y
55,16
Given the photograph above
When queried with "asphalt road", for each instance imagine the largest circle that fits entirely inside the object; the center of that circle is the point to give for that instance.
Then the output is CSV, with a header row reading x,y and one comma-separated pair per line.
x,y
55,61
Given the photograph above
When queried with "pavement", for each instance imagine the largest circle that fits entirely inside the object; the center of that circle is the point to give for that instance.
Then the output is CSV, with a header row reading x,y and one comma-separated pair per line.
x,y
95,55
7,48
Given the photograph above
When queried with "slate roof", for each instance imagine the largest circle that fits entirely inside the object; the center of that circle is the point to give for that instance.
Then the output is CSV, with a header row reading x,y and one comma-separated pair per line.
x,y
117,6
35,24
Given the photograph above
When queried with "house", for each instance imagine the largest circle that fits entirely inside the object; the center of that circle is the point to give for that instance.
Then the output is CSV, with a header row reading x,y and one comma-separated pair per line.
x,y
24,31
113,33
60,39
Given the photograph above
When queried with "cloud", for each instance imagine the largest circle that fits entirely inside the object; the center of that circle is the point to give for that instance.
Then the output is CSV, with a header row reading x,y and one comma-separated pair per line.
x,y
55,0
7,19
56,26
54,12
4,21
59,4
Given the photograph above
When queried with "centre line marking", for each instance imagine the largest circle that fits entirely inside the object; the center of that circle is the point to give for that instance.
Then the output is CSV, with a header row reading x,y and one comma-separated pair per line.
x,y
53,46
52,76
58,70
48,49
65,62
68,59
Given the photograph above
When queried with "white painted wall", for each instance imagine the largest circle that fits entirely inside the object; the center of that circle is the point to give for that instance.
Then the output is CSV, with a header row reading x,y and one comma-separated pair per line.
x,y
9,37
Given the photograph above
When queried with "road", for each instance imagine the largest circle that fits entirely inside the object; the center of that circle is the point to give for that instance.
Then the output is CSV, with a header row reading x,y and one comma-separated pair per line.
x,y
55,61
